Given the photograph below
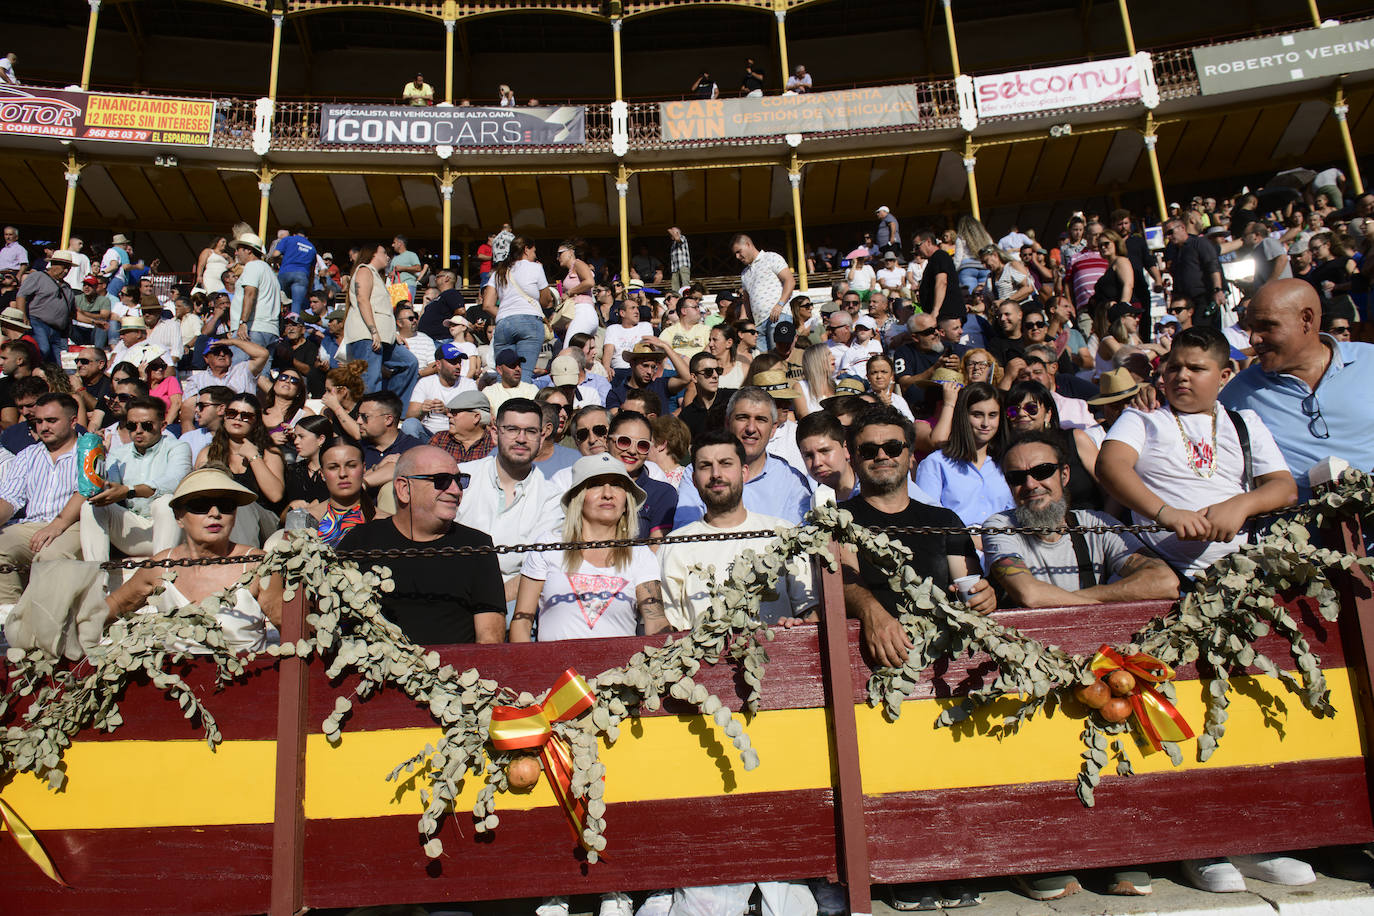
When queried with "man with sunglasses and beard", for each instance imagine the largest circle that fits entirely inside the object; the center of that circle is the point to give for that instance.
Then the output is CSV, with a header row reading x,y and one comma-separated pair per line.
x,y
430,604
880,443
133,513
1057,568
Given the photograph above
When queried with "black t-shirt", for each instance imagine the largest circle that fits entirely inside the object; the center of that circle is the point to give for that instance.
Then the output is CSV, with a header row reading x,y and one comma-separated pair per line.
x,y
953,305
928,551
697,415
6,392
449,303
1006,348
749,81
910,360
435,599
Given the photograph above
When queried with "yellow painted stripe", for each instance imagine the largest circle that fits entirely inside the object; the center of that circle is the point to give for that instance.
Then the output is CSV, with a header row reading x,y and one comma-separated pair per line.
x,y
182,783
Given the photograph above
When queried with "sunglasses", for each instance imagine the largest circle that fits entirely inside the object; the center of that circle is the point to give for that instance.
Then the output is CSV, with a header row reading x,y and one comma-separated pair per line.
x,y
748,330
247,416
83,361
1177,310
625,443
892,448
1032,325
217,351
147,426
1039,472
928,332
443,480
1031,410
1340,329
709,371
121,398
202,505
599,431
289,379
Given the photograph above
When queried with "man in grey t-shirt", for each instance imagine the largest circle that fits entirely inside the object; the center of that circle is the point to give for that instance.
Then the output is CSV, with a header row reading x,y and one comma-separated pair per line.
x,y
1062,568
1271,257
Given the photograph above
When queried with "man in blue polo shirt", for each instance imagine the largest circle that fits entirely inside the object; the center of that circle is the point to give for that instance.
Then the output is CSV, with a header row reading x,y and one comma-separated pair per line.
x,y
297,268
1312,390
771,486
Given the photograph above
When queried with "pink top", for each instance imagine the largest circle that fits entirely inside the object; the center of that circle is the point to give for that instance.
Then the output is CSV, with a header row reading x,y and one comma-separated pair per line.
x,y
571,280
164,390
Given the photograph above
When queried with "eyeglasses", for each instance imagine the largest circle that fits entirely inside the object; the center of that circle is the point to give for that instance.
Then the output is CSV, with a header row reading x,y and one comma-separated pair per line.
x,y
625,443
443,480
1039,472
1317,424
147,426
1031,410
202,505
1033,325
585,433
977,364
247,416
892,448
520,432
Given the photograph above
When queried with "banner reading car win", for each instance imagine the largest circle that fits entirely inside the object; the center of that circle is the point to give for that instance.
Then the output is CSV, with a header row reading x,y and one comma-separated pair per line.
x,y
37,112
776,115
408,125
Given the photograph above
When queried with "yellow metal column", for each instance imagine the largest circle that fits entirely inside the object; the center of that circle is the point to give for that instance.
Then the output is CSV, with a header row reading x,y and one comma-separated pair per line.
x,y
970,160
1316,16
1151,138
615,52
446,189
466,245
794,177
1126,24
73,174
780,11
622,190
265,177
450,15
90,49
277,19
1340,110
953,45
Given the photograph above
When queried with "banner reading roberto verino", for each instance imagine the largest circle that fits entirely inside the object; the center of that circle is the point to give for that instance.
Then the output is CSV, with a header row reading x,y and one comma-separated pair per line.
x,y
1279,59
406,125
771,116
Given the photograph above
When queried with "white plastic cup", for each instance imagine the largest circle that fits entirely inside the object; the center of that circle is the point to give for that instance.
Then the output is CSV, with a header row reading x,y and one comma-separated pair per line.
x,y
965,586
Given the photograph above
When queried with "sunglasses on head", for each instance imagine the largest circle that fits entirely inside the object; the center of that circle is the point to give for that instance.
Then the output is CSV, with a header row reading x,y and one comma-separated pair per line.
x,y
892,448
1031,410
625,443
147,426
585,433
202,505
1039,472
709,371
247,416
443,480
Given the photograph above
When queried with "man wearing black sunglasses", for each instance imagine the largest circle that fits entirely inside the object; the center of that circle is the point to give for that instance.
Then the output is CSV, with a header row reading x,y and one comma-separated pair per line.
x,y
880,441
133,513
1056,568
705,394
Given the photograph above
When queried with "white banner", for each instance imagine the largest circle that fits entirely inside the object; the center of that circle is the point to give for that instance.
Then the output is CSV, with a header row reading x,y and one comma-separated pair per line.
x,y
1052,88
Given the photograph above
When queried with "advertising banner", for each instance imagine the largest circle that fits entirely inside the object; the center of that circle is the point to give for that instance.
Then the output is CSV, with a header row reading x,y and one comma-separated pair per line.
x,y
1279,59
409,125
776,115
1051,88
37,112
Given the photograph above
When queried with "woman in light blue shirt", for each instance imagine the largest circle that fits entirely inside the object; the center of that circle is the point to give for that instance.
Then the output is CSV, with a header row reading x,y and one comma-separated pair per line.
x,y
964,475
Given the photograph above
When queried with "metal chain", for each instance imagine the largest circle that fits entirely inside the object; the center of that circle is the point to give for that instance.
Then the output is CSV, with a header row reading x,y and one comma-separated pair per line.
x,y
429,552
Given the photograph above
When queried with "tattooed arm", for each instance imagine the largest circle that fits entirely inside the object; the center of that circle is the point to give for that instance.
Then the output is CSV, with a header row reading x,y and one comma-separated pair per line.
x,y
649,606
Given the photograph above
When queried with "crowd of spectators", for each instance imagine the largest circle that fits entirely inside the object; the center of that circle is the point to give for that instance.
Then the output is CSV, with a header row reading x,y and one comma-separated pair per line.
x,y
948,381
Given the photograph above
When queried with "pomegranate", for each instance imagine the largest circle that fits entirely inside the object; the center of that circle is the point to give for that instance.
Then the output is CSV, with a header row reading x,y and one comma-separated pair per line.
x,y
1117,709
523,772
1092,695
1121,682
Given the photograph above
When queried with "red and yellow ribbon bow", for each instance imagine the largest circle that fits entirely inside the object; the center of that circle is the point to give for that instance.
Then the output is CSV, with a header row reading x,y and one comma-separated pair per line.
x,y
515,728
1157,718
29,843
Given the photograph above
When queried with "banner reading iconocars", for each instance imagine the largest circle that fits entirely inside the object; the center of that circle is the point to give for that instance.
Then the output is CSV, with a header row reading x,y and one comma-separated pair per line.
x,y
776,115
1273,61
38,112
406,125
1051,88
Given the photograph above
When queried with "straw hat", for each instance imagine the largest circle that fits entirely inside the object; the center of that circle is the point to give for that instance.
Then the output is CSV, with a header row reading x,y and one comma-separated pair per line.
x,y
119,239
252,243
211,482
62,256
777,384
592,467
15,319
846,387
943,375
644,351
133,323
1114,386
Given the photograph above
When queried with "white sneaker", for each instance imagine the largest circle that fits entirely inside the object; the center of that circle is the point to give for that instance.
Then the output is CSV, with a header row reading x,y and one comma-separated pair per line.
x,y
1216,875
616,904
1275,869
658,903
553,906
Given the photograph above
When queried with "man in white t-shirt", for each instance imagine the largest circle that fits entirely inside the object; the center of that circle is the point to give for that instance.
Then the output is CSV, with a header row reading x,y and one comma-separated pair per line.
x,y
7,74
81,265
768,286
719,470
1185,465
430,399
256,315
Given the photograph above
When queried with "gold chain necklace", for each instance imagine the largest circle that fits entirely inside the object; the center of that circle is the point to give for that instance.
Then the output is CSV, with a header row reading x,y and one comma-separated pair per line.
x,y
1190,448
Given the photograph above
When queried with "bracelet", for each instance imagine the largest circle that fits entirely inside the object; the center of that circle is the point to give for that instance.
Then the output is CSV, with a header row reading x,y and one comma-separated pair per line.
x,y
1160,512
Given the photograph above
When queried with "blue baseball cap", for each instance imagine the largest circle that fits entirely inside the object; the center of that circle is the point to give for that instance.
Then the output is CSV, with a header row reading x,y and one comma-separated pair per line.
x,y
212,344
449,350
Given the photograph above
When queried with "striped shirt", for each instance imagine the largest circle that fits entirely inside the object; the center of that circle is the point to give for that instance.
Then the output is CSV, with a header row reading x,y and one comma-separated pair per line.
x,y
38,484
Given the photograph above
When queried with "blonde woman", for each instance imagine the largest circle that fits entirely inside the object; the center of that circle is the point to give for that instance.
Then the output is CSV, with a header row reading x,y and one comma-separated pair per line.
x,y
978,365
818,373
